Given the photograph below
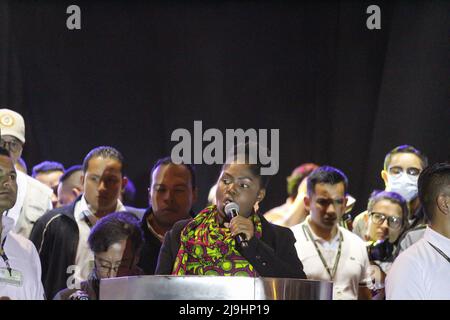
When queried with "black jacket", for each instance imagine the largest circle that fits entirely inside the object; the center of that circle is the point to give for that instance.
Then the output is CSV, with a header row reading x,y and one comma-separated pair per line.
x,y
150,250
55,236
274,255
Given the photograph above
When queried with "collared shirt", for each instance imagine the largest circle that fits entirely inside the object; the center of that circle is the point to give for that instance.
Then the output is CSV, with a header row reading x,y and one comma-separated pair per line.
x,y
85,257
353,266
420,272
25,284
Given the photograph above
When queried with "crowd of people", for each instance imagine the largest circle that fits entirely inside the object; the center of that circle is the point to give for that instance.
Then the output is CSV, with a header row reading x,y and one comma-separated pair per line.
x,y
63,230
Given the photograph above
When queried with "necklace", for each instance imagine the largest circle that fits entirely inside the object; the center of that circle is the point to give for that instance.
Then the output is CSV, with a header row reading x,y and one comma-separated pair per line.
x,y
331,272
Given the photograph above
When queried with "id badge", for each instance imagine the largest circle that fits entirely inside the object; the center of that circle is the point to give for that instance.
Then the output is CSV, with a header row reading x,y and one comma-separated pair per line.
x,y
15,278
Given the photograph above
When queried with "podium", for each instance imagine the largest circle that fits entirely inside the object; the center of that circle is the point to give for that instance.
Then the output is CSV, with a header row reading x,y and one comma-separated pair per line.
x,y
213,288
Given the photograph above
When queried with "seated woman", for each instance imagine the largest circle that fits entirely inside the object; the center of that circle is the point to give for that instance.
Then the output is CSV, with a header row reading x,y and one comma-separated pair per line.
x,y
116,241
206,244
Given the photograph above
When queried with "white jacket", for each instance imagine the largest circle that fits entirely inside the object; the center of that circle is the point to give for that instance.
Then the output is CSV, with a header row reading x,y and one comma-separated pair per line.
x,y
33,200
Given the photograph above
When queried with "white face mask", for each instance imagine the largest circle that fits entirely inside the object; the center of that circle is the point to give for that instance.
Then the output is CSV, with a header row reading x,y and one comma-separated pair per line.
x,y
403,184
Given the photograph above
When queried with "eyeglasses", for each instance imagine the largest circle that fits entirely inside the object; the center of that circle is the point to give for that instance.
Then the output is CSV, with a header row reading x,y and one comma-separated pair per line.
x,y
12,145
410,171
379,218
107,269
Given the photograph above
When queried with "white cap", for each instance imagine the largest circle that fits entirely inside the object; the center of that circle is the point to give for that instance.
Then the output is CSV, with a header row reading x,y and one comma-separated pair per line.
x,y
12,124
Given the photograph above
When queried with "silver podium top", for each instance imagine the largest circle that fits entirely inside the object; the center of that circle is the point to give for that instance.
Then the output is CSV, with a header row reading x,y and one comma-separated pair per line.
x,y
213,288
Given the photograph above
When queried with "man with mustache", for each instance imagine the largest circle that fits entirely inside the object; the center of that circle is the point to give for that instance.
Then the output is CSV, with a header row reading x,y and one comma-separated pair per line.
x,y
327,251
172,193
20,268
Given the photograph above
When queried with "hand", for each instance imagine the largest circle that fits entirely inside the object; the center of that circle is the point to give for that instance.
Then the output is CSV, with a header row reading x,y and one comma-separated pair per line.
x,y
239,224
79,295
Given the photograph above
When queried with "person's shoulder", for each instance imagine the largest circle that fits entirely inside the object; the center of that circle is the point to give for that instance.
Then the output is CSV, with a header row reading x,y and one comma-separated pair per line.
x,y
414,251
354,238
179,225
56,214
21,242
360,216
37,186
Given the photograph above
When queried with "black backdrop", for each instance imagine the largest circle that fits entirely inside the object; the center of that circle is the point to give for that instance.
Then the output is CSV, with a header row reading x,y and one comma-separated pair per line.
x,y
339,93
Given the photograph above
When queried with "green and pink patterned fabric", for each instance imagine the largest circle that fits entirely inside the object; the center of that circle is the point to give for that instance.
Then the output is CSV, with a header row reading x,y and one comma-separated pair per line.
x,y
206,248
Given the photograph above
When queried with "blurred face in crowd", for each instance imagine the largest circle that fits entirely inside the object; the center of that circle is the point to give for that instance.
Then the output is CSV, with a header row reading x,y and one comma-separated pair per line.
x,y
326,204
385,221
171,194
103,182
51,179
118,261
237,183
70,188
8,184
13,145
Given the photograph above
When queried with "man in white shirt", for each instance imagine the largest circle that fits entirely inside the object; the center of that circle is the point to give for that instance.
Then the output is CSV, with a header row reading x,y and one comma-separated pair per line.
x,y
20,268
33,197
327,251
61,234
422,271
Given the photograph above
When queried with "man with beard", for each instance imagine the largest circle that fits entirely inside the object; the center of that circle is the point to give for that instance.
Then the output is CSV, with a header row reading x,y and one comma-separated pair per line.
x,y
327,251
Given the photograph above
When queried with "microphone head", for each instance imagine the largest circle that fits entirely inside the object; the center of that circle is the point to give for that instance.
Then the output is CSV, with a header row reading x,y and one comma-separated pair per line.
x,y
230,207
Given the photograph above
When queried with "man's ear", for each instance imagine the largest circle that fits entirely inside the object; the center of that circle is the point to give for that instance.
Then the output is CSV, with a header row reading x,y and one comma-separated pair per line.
x,y
124,184
307,201
384,176
76,192
443,203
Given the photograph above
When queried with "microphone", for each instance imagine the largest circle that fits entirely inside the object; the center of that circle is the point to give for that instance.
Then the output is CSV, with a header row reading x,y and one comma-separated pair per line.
x,y
232,210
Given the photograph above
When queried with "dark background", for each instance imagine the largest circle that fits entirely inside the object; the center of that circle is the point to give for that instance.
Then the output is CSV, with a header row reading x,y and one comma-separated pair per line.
x,y
339,93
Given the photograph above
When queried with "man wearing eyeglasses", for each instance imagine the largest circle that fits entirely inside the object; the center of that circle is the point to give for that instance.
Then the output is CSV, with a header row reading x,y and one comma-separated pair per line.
x,y
400,173
327,251
33,197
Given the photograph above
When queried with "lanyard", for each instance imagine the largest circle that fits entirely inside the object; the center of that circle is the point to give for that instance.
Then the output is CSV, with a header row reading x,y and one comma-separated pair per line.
x,y
439,251
330,272
4,256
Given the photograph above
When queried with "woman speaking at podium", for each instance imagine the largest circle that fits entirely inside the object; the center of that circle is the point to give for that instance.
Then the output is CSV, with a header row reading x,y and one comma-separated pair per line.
x,y
230,238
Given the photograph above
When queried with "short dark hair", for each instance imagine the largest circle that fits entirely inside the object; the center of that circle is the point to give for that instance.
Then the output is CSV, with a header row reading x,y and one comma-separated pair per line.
x,y
327,175
69,172
393,197
105,152
405,149
168,160
4,152
113,228
47,166
432,181
235,154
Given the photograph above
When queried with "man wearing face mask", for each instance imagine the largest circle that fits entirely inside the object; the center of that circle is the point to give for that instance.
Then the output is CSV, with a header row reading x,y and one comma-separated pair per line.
x,y
402,167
